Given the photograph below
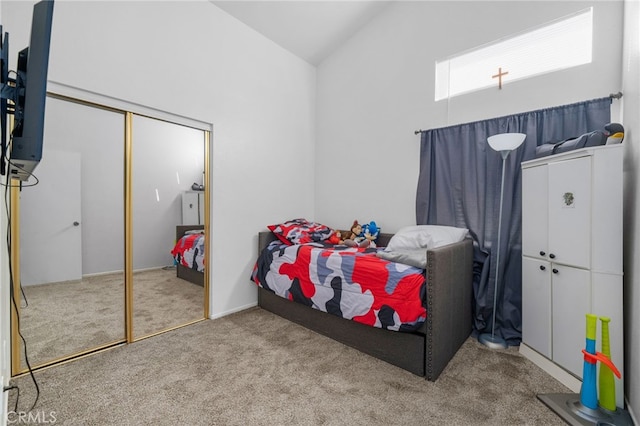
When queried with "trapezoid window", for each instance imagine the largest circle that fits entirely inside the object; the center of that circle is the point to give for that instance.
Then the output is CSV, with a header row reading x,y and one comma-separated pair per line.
x,y
561,44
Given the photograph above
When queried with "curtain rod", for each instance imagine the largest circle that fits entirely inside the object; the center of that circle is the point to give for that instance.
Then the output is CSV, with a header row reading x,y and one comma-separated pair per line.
x,y
617,95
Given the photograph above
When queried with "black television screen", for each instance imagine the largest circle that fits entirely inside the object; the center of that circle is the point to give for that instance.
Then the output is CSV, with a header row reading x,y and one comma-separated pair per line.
x,y
4,80
30,99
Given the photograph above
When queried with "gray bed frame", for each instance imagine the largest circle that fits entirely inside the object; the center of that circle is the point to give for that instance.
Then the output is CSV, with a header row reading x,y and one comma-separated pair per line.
x,y
425,352
183,272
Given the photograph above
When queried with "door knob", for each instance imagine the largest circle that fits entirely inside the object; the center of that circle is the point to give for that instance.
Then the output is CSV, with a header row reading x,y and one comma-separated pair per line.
x,y
552,256
555,271
542,267
542,253
76,223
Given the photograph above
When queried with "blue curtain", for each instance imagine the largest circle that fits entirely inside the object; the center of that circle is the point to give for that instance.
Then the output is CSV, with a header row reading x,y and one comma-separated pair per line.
x,y
459,185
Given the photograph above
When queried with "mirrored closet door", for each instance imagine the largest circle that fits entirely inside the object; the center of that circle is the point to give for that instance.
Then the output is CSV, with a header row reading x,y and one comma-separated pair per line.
x,y
108,238
71,237
168,224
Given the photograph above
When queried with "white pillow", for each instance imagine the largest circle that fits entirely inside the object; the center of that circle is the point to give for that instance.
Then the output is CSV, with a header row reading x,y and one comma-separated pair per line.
x,y
411,238
417,258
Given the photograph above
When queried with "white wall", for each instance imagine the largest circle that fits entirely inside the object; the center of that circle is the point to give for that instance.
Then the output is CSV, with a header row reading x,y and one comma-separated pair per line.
x,y
194,60
379,87
631,120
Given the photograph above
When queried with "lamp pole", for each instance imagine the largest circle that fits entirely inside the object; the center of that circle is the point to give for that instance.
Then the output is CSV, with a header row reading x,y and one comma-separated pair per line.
x,y
490,340
503,143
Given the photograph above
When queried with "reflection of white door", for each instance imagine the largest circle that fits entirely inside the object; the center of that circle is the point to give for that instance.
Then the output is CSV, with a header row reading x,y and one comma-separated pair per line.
x,y
50,221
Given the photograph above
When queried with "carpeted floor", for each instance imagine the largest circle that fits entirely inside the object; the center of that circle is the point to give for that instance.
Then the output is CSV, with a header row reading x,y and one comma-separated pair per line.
x,y
70,317
255,368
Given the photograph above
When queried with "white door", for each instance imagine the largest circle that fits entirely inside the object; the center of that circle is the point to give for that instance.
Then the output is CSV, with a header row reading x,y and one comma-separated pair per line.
x,y
536,305
201,208
535,211
570,212
190,208
571,295
50,221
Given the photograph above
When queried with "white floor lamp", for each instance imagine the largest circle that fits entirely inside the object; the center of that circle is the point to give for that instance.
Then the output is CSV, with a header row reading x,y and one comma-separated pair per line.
x,y
504,143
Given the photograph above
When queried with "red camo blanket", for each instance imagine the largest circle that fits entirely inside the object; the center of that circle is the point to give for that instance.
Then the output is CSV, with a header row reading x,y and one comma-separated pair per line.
x,y
352,283
189,251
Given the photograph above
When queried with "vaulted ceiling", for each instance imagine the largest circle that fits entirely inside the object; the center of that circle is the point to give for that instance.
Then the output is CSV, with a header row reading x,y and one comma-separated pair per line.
x,y
310,29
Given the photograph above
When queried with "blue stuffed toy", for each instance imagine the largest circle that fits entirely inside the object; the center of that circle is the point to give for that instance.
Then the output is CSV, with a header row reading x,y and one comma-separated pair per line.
x,y
370,232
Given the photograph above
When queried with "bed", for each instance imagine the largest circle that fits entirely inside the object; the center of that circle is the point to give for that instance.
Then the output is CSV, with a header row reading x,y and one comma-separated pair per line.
x,y
425,351
190,265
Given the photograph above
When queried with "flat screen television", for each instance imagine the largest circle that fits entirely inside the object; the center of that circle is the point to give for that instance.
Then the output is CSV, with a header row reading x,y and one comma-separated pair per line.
x,y
29,95
4,80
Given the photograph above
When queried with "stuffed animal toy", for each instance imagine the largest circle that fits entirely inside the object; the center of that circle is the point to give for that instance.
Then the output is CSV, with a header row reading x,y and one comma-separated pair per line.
x,y
336,237
355,237
370,232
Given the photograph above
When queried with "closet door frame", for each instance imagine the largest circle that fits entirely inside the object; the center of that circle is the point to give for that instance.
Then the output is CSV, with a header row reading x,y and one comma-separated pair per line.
x,y
17,346
129,281
70,94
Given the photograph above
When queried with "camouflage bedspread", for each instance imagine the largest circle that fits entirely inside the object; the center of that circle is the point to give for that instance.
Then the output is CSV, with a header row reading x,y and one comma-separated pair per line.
x,y
352,283
189,251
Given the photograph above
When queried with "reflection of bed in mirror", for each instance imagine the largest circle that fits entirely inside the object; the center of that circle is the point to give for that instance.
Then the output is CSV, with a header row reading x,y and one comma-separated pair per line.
x,y
189,253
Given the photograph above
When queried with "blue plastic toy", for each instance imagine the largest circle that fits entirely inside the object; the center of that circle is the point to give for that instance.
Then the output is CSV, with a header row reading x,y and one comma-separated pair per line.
x,y
588,392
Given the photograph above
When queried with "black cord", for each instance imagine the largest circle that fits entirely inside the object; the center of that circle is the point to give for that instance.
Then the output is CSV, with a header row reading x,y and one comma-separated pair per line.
x,y
24,296
8,388
24,346
7,203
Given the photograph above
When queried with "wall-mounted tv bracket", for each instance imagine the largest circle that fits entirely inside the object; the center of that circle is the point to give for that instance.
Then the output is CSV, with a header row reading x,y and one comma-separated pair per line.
x,y
10,90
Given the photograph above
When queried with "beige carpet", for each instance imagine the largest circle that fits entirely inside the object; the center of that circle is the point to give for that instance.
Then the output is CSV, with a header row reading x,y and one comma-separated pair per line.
x,y
70,317
255,368
161,300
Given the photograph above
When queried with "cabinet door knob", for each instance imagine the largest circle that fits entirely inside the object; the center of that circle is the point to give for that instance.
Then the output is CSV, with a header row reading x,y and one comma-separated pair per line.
x,y
542,253
555,271
552,256
542,267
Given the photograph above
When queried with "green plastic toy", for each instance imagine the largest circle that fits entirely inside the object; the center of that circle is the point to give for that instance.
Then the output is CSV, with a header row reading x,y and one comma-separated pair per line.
x,y
606,382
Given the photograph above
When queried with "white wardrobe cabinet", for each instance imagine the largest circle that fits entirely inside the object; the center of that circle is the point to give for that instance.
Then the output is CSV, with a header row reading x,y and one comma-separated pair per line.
x,y
193,208
572,254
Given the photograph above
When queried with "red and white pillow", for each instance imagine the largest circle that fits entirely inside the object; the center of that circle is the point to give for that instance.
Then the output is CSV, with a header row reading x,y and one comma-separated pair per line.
x,y
300,231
